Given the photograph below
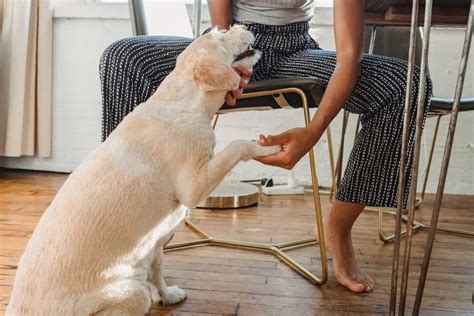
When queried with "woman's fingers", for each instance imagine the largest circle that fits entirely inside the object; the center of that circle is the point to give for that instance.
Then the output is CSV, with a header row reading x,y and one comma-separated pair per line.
x,y
295,144
242,84
232,96
230,99
243,72
237,93
272,140
245,75
281,159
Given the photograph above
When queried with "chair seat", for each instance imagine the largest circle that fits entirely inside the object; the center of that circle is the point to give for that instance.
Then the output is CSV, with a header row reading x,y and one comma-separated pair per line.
x,y
440,105
274,98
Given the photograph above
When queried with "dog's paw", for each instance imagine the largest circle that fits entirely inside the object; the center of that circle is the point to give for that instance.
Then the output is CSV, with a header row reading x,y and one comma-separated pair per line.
x,y
173,295
251,149
261,151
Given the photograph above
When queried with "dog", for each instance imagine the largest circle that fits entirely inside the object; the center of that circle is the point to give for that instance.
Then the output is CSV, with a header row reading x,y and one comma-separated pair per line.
x,y
98,248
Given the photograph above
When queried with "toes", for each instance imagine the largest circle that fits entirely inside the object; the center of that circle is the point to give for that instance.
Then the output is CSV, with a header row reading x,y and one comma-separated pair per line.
x,y
353,285
370,281
356,287
367,281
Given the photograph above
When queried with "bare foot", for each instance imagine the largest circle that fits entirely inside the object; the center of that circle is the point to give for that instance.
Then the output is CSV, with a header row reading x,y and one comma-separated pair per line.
x,y
346,269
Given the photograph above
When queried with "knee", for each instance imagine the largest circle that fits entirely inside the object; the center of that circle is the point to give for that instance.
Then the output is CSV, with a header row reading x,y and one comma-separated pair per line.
x,y
116,55
399,70
416,85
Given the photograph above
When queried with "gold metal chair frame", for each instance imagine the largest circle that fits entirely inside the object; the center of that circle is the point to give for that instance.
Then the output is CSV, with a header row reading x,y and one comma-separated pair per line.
x,y
276,249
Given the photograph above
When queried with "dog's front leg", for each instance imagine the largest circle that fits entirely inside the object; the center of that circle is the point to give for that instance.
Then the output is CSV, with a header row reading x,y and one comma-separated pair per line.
x,y
197,182
168,294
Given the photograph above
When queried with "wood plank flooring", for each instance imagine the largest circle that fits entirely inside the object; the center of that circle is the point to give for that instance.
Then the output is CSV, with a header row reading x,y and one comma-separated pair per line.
x,y
224,281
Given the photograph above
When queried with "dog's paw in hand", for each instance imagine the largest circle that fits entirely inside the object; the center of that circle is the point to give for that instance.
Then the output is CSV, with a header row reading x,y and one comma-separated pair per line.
x,y
262,151
173,295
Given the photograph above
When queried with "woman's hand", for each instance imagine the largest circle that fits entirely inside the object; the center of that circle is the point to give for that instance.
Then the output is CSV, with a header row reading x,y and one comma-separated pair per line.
x,y
245,75
295,144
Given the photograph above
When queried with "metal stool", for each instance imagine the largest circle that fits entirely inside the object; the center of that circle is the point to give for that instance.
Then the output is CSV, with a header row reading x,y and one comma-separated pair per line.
x,y
376,17
458,13
439,108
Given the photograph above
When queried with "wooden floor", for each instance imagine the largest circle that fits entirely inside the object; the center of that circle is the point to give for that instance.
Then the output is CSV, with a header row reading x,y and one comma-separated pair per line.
x,y
234,282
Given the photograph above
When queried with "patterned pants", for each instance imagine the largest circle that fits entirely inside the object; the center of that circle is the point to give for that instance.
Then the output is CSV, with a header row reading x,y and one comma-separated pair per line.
x,y
131,70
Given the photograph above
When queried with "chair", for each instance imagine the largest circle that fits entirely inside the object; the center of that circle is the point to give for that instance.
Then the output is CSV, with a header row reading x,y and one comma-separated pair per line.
x,y
397,13
263,95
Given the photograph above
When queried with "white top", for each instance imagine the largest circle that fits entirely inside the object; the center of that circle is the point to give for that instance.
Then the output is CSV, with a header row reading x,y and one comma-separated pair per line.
x,y
272,12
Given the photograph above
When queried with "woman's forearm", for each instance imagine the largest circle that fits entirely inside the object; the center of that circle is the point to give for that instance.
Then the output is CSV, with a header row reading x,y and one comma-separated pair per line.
x,y
339,89
349,38
221,13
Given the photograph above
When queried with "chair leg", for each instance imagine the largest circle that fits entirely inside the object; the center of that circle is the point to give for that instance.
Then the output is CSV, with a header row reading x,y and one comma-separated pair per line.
x,y
416,156
331,161
417,226
275,249
403,161
390,238
214,121
338,168
428,163
316,196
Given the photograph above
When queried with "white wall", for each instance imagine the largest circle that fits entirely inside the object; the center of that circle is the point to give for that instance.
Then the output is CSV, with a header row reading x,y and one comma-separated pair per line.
x,y
81,34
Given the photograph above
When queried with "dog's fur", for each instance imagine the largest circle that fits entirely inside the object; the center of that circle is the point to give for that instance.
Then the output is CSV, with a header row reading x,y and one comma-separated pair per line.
x,y
98,249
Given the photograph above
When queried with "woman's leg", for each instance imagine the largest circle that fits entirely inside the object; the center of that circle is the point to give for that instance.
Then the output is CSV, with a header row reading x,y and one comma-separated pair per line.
x,y
338,227
130,71
371,176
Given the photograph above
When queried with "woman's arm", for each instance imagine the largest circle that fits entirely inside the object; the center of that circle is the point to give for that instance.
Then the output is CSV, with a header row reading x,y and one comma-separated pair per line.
x,y
221,13
349,36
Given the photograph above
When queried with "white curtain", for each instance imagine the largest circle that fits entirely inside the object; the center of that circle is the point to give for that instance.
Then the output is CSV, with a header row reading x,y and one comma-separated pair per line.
x,y
25,77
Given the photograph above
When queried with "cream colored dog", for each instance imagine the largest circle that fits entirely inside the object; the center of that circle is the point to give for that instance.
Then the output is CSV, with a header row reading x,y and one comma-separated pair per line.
x,y
98,249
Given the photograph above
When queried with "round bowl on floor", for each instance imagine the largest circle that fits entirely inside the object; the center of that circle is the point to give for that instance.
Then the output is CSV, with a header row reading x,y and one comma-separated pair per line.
x,y
231,195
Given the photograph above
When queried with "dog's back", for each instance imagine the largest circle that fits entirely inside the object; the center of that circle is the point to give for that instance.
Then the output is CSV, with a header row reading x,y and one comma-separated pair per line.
x,y
97,240
99,219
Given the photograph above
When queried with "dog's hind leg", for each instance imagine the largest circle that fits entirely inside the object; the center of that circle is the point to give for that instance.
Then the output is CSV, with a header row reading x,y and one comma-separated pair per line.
x,y
168,294
125,297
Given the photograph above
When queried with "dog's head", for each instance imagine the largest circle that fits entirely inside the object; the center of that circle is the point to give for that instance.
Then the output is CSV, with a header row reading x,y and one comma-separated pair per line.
x,y
211,57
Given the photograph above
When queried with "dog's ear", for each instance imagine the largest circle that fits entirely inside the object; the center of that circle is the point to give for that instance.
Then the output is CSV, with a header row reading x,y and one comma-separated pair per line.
x,y
211,74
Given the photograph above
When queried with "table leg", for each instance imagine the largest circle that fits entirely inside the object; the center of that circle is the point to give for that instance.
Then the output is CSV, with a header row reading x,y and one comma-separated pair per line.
x,y
403,159
416,155
445,163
